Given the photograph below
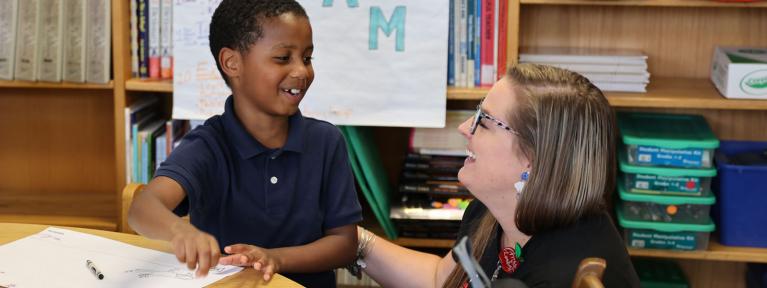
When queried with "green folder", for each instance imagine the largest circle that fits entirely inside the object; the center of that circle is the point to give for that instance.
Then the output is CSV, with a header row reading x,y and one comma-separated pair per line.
x,y
371,176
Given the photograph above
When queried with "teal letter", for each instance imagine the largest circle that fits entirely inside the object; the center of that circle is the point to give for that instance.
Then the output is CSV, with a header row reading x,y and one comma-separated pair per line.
x,y
349,3
397,21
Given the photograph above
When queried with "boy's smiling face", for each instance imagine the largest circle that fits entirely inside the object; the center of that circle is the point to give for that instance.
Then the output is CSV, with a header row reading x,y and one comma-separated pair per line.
x,y
277,69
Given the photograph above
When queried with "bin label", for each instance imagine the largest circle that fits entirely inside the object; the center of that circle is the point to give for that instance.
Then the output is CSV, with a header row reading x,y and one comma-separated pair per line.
x,y
652,155
662,240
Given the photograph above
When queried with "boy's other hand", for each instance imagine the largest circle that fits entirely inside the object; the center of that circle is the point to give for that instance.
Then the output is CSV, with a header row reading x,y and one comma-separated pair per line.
x,y
195,248
246,255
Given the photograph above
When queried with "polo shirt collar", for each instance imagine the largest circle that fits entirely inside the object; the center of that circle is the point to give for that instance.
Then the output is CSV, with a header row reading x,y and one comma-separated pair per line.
x,y
247,146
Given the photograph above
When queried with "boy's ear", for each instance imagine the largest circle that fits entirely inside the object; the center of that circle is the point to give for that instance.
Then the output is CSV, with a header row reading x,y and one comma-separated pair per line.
x,y
230,61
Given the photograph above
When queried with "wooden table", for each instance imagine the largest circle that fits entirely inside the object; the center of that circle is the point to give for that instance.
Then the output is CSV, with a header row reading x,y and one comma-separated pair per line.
x,y
245,278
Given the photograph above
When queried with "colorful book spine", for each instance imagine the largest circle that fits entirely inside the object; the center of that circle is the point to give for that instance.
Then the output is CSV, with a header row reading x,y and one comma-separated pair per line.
x,y
503,38
154,39
488,42
166,39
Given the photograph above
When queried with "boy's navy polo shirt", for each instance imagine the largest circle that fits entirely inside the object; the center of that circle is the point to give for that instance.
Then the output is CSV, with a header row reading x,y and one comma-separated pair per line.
x,y
242,192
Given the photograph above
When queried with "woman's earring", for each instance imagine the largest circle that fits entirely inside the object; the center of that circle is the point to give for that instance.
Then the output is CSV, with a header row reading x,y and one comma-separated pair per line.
x,y
521,184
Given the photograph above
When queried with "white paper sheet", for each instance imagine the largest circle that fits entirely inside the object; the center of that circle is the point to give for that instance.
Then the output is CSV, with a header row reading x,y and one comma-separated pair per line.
x,y
56,258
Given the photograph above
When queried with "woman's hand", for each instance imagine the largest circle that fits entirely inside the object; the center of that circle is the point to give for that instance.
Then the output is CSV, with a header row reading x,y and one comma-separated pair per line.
x,y
248,255
194,247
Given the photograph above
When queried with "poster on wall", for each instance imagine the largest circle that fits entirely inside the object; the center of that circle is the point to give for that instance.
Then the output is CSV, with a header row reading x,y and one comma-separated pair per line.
x,y
376,63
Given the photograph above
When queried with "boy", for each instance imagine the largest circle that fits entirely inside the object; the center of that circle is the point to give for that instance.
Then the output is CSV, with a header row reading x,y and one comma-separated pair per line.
x,y
270,187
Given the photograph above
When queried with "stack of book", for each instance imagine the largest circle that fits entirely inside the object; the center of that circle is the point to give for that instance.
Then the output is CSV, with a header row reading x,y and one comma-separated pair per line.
x,y
620,70
432,200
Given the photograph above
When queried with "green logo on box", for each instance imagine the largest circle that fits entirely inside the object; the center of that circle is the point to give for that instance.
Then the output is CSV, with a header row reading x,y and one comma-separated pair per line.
x,y
755,83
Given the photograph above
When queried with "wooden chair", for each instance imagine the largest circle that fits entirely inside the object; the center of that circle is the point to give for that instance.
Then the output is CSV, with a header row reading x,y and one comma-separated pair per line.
x,y
589,274
129,192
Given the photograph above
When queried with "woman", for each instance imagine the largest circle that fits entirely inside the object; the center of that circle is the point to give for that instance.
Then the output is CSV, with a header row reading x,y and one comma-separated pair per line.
x,y
541,166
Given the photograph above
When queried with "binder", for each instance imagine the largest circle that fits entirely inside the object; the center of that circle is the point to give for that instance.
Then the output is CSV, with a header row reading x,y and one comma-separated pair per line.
x,y
51,30
372,178
8,14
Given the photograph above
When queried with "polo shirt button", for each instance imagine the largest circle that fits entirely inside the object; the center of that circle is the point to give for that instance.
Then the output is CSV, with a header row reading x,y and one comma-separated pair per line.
x,y
273,180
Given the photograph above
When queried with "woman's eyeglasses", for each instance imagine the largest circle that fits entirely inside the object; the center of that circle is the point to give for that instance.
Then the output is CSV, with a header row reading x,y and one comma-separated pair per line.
x,y
481,114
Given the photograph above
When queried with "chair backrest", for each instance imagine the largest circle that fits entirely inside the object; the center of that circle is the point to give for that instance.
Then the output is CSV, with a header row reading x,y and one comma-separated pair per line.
x,y
589,274
129,192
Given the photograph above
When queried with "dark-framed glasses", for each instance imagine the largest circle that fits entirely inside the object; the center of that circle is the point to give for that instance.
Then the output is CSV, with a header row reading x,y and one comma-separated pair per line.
x,y
481,114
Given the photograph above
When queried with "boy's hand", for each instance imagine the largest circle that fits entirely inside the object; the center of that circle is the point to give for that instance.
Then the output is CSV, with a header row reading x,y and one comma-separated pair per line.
x,y
246,255
196,248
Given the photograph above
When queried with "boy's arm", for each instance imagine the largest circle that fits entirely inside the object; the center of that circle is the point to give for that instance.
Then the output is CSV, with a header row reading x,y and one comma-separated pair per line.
x,y
336,249
151,215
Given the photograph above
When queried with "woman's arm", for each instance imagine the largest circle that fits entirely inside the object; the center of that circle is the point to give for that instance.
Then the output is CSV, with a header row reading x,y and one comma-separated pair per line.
x,y
392,265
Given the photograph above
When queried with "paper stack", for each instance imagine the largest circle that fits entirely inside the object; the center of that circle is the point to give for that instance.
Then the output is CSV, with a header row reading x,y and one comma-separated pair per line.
x,y
621,70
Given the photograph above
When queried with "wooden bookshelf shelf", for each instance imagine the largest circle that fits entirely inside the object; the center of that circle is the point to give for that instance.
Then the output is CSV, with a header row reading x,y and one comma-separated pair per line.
x,y
715,252
682,93
149,85
89,210
651,3
466,93
424,242
54,85
661,93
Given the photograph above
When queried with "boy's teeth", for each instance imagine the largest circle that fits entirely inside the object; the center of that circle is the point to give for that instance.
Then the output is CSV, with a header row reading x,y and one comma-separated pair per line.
x,y
295,91
471,155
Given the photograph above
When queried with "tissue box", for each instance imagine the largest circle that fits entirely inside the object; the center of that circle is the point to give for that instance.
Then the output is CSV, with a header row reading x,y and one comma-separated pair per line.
x,y
740,72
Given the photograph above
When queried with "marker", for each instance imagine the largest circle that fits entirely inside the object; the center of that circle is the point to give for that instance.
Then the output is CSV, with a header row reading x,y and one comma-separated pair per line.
x,y
92,267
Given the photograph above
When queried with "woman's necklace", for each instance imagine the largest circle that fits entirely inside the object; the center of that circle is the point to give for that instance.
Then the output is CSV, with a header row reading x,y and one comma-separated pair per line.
x,y
509,260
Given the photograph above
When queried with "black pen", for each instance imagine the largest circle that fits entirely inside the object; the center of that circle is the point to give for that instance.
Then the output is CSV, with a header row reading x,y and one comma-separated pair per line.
x,y
92,267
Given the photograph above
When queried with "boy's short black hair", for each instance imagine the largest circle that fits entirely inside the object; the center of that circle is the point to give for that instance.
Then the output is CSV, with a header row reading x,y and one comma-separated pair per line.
x,y
237,24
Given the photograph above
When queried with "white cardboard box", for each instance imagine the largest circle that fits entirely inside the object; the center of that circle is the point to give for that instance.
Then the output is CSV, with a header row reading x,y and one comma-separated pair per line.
x,y
740,72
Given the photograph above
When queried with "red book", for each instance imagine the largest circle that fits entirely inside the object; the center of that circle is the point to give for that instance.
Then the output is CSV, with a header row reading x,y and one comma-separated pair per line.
x,y
503,36
487,53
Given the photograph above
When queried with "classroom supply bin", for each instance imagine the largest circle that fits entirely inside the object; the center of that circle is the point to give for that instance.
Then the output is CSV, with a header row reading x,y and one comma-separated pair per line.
x,y
659,273
741,209
666,208
669,236
670,140
665,180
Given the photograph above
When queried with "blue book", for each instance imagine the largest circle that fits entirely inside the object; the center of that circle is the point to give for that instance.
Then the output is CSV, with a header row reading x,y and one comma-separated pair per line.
x,y
450,46
477,43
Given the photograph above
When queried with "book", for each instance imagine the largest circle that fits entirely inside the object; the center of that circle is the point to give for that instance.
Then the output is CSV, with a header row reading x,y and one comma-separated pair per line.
x,y
141,109
98,48
488,43
26,41
134,38
166,39
50,39
442,141
154,39
621,86
576,55
503,32
600,68
143,38
8,18
450,46
73,59
618,77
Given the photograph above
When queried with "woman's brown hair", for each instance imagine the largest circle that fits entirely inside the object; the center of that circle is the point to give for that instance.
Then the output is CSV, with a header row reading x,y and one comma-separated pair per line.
x,y
567,130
